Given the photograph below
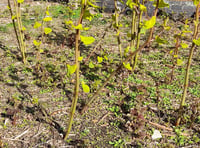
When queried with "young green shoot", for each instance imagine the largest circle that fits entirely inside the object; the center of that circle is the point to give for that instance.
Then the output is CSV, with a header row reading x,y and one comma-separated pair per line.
x,y
149,39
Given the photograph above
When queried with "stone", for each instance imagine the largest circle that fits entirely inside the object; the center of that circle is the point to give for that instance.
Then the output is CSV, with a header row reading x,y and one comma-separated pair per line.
x,y
156,135
176,8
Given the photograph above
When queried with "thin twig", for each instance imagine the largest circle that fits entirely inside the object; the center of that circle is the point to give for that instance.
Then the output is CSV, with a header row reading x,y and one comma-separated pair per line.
x,y
103,117
160,126
99,42
16,140
38,133
22,134
59,110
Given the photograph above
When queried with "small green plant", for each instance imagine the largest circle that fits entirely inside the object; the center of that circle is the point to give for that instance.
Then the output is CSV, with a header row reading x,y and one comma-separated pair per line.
x,y
117,143
44,32
180,139
115,109
3,28
149,25
136,27
85,132
84,14
176,60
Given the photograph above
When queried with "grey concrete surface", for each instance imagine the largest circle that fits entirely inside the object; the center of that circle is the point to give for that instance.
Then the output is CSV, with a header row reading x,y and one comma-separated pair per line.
x,y
176,8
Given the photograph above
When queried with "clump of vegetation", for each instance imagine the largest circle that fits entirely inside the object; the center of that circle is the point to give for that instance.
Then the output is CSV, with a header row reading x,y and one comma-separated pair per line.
x,y
86,78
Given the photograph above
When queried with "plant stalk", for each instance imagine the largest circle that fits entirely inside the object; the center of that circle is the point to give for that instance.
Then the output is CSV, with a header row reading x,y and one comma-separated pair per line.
x,y
117,28
182,103
138,39
21,34
133,33
14,25
76,88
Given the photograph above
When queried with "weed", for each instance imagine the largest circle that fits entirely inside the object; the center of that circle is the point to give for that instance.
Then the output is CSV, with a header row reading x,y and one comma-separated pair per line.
x,y
43,91
3,28
57,10
180,139
117,143
195,91
27,70
85,132
115,110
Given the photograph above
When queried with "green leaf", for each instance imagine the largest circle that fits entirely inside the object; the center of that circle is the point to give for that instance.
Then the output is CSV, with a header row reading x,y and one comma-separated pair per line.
x,y
37,25
121,1
20,1
128,34
150,23
91,65
160,40
118,32
36,43
23,28
113,18
161,4
100,59
186,21
70,69
133,49
47,19
68,22
47,30
13,17
131,4
179,62
47,12
197,42
184,45
167,27
87,40
86,28
112,143
196,2
92,5
85,87
126,50
106,58
175,56
127,66
186,26
87,15
41,50
171,52
143,30
186,31
80,59
78,27
166,21
35,100
143,7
